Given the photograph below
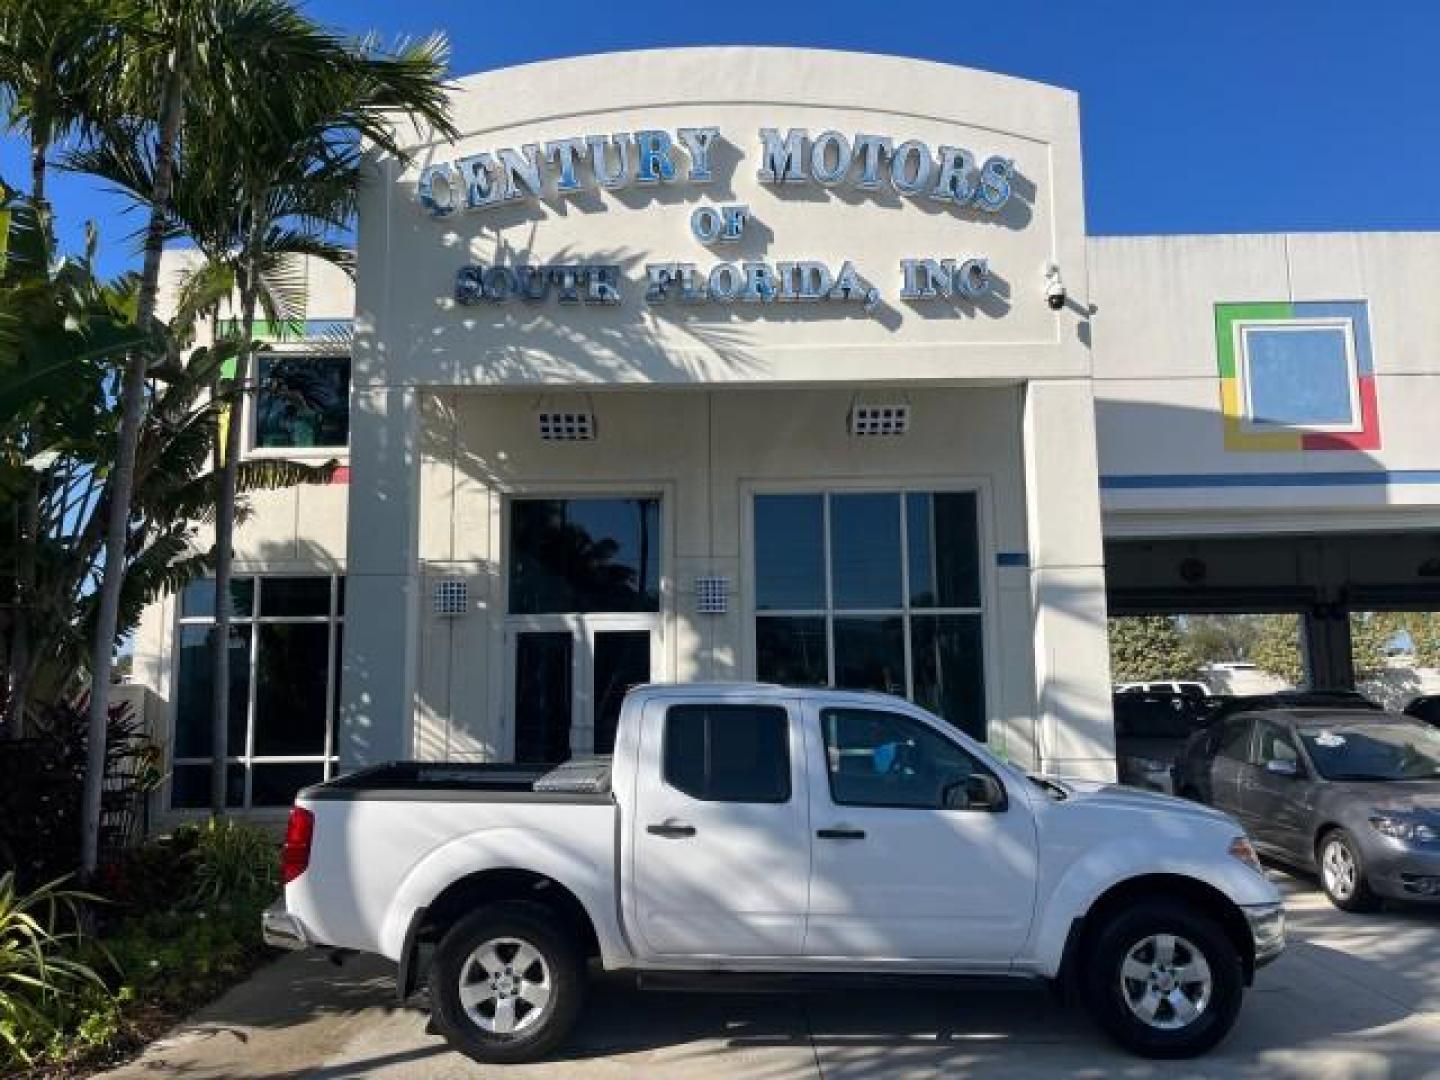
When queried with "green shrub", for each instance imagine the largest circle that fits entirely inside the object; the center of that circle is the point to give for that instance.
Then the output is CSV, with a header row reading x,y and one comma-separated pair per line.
x,y
152,875
233,860
43,987
175,959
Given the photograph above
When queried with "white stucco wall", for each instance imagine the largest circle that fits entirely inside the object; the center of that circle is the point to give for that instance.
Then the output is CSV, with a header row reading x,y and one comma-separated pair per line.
x,y
1158,392
411,331
705,453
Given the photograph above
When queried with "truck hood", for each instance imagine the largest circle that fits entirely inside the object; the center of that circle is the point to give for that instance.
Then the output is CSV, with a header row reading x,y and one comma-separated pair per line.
x,y
1094,794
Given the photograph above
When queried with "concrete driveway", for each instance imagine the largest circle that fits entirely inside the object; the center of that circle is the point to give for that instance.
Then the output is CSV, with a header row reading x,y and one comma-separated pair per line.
x,y
1354,996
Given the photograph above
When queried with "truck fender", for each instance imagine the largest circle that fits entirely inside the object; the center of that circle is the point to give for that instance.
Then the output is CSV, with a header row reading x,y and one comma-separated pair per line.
x,y
532,850
1102,868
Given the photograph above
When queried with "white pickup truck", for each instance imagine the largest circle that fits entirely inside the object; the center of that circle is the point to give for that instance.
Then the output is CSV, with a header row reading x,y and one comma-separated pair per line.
x,y
758,829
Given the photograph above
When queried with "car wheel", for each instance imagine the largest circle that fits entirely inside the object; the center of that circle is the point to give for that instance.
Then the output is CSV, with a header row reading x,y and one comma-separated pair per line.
x,y
506,984
1163,979
1342,874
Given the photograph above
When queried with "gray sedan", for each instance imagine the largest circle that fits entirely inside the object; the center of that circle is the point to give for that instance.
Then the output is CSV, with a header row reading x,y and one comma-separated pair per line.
x,y
1353,795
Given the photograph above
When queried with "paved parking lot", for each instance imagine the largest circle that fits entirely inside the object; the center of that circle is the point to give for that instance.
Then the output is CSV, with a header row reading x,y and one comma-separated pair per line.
x,y
1354,996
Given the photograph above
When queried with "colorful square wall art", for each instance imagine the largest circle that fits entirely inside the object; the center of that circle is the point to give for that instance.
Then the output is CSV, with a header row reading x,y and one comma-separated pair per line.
x,y
1296,377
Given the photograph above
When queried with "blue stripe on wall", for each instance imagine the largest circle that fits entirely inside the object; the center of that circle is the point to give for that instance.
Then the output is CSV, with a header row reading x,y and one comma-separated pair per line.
x,y
1012,558
1150,482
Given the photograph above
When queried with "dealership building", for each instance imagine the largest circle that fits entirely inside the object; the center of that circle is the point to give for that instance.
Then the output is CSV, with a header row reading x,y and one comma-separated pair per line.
x,y
797,366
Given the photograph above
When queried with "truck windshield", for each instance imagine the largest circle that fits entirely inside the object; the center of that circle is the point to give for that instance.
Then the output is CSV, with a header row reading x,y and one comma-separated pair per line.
x,y
1391,751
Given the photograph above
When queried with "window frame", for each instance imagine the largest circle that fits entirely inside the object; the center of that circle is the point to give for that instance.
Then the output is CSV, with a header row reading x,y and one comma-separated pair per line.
x,y
979,765
1243,328
252,405
328,759
902,487
785,722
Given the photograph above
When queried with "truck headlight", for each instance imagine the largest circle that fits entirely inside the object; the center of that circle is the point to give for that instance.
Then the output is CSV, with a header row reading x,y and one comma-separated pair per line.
x,y
1416,832
1242,849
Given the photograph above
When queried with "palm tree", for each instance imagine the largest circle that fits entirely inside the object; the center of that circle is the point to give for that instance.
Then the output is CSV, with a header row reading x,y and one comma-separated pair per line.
x,y
53,55
295,183
274,175
181,58
50,57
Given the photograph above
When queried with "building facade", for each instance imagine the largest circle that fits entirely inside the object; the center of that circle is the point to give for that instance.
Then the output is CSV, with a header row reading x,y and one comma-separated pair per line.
x,y
794,366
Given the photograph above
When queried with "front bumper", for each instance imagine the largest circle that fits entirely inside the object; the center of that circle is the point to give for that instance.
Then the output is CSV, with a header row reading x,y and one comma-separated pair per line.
x,y
1401,870
281,930
1267,928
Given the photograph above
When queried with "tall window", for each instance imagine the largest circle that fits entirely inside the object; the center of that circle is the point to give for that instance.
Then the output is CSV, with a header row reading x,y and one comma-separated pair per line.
x,y
873,591
303,402
285,641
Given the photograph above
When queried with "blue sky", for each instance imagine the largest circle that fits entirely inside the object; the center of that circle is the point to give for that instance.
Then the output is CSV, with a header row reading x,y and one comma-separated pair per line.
x,y
1197,117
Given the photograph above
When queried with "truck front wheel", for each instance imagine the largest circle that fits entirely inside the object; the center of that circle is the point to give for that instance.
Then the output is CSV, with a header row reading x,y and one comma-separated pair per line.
x,y
1163,979
506,984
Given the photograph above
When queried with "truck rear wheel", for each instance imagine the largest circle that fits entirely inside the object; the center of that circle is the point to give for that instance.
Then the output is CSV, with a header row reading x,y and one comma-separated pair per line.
x,y
1163,979
506,984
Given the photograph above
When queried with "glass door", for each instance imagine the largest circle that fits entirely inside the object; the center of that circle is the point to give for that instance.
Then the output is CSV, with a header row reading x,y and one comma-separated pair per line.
x,y
568,677
543,663
620,659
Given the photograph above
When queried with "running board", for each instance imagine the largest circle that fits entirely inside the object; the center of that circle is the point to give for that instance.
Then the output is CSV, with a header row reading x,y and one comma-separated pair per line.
x,y
788,982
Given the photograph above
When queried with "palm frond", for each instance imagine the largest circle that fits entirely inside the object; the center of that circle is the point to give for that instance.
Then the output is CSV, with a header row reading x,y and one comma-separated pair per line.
x,y
271,474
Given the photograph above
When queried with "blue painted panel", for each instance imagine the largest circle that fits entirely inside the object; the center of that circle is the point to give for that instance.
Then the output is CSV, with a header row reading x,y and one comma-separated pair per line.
x,y
1298,376
1357,311
1161,481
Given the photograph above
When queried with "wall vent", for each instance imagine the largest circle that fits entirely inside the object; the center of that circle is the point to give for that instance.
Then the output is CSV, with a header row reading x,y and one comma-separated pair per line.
x,y
452,597
576,426
712,595
867,420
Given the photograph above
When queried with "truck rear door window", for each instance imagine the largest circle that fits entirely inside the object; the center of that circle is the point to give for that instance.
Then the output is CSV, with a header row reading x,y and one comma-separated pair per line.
x,y
728,753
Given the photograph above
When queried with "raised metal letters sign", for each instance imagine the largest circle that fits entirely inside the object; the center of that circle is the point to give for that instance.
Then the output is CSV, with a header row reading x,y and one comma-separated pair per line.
x,y
911,169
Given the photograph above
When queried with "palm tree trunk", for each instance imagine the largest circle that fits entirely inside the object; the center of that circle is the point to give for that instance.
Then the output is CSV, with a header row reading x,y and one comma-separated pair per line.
x,y
38,153
122,479
225,517
21,660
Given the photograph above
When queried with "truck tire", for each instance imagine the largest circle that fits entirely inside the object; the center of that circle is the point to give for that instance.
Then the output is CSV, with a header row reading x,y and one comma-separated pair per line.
x,y
1342,874
506,983
1163,979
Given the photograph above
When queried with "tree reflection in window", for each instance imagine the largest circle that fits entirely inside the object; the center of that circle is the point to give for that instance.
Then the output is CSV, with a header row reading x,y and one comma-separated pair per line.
x,y
584,555
303,402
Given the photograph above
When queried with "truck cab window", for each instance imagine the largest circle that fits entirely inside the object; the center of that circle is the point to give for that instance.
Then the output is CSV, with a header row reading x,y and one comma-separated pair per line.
x,y
728,753
876,758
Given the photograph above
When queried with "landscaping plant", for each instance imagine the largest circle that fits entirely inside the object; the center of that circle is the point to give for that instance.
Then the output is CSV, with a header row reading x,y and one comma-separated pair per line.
x,y
233,860
43,988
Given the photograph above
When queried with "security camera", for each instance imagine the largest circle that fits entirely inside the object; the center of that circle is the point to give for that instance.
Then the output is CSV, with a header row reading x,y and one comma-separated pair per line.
x,y
1055,294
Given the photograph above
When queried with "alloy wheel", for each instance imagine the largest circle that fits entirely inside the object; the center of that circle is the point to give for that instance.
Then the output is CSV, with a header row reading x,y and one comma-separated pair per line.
x,y
1166,981
1338,866
505,986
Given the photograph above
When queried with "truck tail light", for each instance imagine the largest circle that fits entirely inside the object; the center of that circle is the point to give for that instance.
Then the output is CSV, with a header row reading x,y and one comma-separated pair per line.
x,y
295,853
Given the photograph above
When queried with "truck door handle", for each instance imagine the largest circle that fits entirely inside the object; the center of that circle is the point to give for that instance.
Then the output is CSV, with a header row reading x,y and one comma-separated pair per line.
x,y
840,834
671,830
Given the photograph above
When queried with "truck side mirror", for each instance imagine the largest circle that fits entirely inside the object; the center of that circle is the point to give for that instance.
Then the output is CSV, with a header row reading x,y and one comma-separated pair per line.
x,y
978,791
1283,767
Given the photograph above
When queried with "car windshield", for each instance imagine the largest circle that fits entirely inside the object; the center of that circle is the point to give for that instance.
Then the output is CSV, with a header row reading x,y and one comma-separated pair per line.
x,y
1395,751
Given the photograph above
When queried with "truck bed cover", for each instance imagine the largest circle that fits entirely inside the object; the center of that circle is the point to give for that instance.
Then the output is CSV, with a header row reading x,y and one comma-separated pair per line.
x,y
583,780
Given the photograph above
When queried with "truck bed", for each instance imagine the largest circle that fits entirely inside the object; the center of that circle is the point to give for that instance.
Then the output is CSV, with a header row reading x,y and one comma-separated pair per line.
x,y
582,780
